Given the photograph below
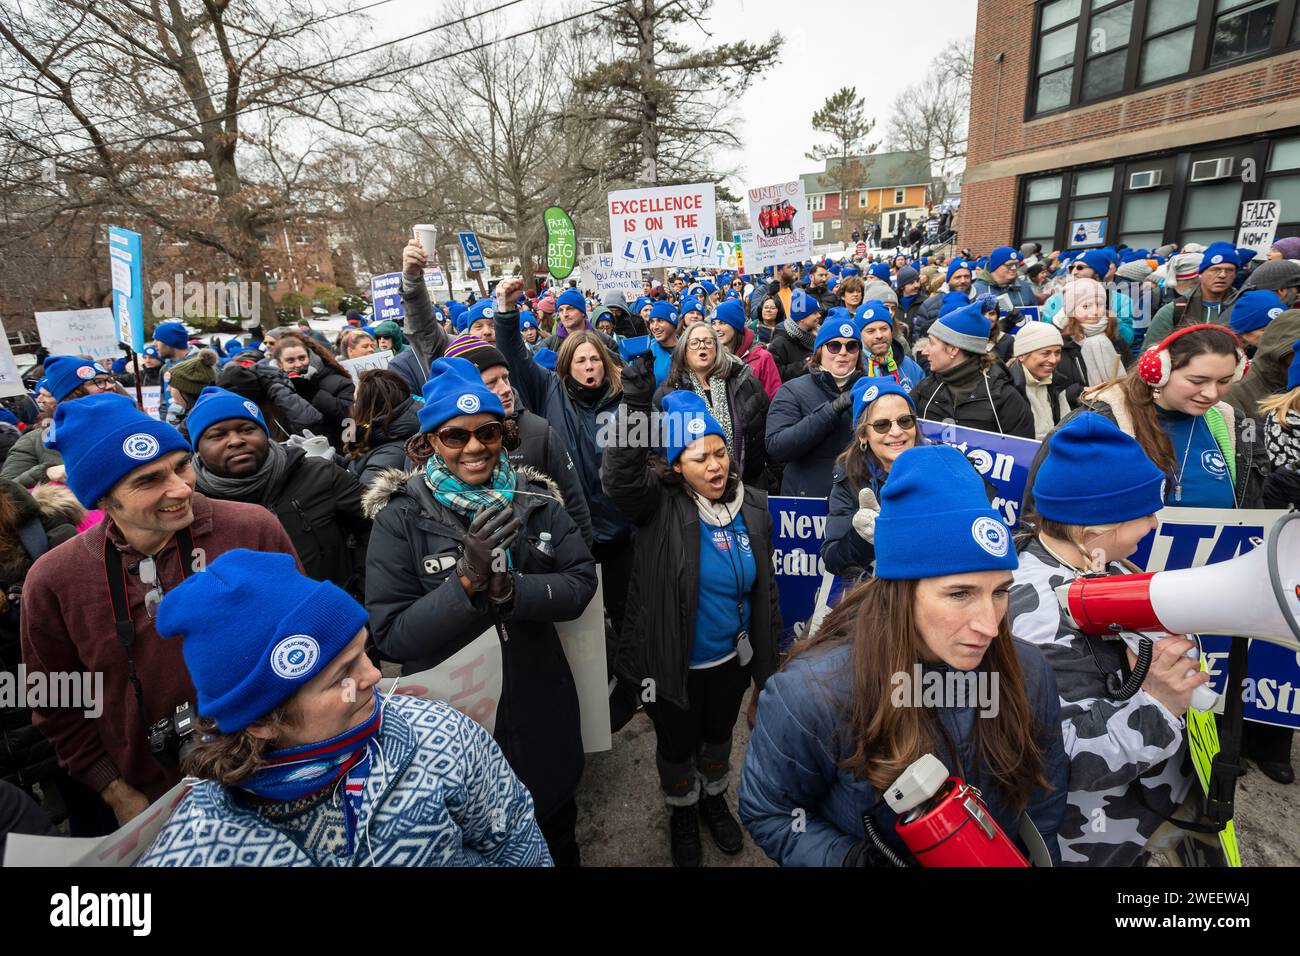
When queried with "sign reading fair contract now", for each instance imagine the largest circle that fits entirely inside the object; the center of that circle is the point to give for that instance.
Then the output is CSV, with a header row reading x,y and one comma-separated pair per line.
x,y
663,226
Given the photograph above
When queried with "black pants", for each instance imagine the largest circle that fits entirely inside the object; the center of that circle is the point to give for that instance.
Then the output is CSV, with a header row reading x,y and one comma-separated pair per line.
x,y
560,831
19,813
615,560
694,745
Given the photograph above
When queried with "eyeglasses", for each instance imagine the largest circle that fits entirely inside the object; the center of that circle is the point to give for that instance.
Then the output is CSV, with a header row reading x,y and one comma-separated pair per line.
x,y
851,346
149,578
701,344
882,426
101,383
488,433
1078,268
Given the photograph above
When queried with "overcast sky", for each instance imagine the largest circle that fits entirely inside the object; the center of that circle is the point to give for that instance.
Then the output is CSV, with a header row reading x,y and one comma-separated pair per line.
x,y
869,44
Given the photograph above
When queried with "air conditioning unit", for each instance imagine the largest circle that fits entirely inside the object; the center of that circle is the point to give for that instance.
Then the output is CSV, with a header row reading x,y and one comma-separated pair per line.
x,y
1208,169
1147,179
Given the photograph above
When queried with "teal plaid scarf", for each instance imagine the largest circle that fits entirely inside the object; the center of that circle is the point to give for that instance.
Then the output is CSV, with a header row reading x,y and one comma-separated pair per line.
x,y
466,499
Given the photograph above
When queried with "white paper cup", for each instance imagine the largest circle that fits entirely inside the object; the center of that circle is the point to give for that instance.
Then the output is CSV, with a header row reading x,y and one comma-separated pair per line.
x,y
428,236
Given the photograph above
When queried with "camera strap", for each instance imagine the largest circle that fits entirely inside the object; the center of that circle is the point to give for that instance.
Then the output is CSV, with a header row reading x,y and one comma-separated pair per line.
x,y
122,619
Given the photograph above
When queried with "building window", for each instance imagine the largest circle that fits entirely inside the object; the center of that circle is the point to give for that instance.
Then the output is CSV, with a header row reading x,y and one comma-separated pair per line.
x,y
302,240
817,202
862,199
900,197
837,225
1284,159
1041,206
818,231
1082,47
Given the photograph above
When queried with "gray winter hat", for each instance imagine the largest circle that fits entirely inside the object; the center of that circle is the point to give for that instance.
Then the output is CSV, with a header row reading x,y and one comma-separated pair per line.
x,y
905,275
1273,275
879,292
1135,271
615,300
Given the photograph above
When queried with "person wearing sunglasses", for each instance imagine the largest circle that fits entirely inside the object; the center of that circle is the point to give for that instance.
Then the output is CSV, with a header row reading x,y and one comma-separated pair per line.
x,y
733,394
885,354
967,385
301,762
67,378
703,613
810,420
465,544
89,605
886,427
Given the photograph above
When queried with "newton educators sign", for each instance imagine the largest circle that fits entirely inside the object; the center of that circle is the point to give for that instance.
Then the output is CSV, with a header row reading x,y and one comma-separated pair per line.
x,y
663,226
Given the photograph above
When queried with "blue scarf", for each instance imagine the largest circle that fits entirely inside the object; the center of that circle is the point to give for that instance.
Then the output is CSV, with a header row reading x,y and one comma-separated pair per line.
x,y
465,499
297,772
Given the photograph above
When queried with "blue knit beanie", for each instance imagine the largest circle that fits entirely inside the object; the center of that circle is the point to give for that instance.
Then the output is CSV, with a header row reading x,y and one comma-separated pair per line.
x,y
1098,261
1255,309
119,366
275,631
482,309
733,313
952,302
874,311
836,327
689,304
103,438
868,390
172,334
851,271
527,321
665,311
1220,254
803,305
935,519
546,358
880,270
574,298
966,329
151,351
959,264
65,373
1293,373
686,418
454,388
218,405
1000,257
1095,474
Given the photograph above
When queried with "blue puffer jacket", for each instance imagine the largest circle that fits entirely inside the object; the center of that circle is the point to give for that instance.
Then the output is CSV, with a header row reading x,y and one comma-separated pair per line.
x,y
805,433
577,423
439,793
800,740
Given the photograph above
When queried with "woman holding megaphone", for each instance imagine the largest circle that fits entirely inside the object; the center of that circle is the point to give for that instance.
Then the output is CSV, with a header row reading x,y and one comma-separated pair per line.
x,y
1122,718
856,706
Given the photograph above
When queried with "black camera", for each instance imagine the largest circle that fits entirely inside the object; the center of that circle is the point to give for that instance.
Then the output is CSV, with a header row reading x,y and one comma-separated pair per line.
x,y
171,738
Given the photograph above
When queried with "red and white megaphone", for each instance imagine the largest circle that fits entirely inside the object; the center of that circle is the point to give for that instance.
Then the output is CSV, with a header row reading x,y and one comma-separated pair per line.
x,y
1256,595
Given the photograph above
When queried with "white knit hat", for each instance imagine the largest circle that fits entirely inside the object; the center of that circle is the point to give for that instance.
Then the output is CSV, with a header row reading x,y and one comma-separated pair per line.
x,y
1034,336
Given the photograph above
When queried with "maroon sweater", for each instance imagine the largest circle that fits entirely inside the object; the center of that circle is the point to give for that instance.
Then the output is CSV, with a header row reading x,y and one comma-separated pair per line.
x,y
67,625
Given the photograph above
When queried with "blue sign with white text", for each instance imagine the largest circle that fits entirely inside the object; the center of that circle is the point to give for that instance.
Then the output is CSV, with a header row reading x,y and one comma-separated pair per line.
x,y
1003,461
386,297
473,253
126,265
798,530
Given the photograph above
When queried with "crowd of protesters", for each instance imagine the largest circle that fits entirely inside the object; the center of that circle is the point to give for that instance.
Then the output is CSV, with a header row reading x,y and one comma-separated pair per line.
x,y
240,564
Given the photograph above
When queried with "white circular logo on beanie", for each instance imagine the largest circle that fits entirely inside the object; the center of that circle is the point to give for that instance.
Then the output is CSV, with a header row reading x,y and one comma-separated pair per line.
x,y
696,426
1212,461
870,394
846,331
140,446
1274,313
488,314
253,410
991,535
469,404
1216,260
295,656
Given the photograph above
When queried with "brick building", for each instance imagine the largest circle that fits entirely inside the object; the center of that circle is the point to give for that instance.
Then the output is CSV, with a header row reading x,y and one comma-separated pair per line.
x,y
892,185
1130,121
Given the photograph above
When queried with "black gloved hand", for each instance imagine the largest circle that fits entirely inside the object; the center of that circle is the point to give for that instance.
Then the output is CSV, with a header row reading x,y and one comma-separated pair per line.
x,y
639,381
501,588
488,532
842,401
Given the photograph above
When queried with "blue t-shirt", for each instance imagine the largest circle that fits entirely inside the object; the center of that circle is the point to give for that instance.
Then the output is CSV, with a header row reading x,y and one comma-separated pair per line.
x,y
1206,481
663,359
727,573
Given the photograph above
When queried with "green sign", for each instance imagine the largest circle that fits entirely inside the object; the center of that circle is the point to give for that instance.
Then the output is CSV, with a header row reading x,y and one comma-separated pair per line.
x,y
561,243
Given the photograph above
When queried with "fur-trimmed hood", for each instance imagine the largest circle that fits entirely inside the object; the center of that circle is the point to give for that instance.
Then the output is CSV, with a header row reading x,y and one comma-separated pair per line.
x,y
392,482
53,505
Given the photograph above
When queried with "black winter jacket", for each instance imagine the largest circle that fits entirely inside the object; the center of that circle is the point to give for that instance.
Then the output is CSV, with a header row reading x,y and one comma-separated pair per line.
x,y
659,626
805,433
331,394
1008,413
389,444
319,505
1059,385
748,404
791,356
420,615
541,449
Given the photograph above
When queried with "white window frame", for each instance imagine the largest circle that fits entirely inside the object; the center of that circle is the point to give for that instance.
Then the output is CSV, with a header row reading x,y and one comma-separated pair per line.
x,y
862,199
837,225
817,202
900,196
819,231
301,240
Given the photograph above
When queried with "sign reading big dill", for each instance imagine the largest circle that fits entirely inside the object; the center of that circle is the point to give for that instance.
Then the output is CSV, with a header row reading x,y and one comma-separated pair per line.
x,y
561,243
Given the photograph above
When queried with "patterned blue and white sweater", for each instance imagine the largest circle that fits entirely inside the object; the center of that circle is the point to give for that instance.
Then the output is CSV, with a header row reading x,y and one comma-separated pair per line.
x,y
440,793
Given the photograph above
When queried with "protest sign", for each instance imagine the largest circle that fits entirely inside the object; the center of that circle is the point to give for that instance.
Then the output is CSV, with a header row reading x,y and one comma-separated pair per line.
x,y
11,380
1003,460
798,531
1195,537
151,401
663,225
561,243
126,263
90,332
781,224
365,363
386,297
604,274
1258,227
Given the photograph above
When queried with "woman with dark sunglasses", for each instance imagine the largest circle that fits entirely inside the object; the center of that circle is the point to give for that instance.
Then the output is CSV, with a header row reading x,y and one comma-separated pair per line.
x,y
466,544
809,421
886,427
